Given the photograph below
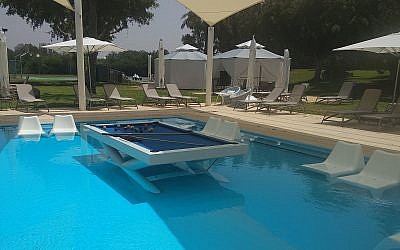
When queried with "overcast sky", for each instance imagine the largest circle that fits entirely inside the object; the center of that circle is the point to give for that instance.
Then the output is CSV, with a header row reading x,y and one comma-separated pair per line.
x,y
166,24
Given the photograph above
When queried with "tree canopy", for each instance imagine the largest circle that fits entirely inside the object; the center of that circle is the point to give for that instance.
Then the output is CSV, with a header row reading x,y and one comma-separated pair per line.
x,y
309,28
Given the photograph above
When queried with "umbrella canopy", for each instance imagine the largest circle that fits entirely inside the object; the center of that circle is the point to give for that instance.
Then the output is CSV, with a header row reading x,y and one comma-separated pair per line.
x,y
4,80
161,64
389,44
186,47
252,64
285,70
212,12
65,3
247,45
90,45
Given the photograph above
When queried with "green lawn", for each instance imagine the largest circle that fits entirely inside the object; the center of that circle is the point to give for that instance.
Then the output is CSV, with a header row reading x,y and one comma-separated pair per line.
x,y
57,89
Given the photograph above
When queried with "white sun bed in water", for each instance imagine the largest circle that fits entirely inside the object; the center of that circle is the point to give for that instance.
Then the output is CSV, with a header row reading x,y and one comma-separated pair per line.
x,y
211,126
29,127
381,173
344,159
390,243
64,127
228,131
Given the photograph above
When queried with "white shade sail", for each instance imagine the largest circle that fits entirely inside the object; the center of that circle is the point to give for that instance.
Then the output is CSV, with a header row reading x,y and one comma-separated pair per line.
x,y
89,45
252,65
389,44
4,79
211,11
65,3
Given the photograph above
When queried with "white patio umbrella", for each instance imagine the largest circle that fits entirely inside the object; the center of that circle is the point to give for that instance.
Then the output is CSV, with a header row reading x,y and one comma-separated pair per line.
x,y
286,69
4,79
149,67
161,64
90,45
389,44
212,12
251,66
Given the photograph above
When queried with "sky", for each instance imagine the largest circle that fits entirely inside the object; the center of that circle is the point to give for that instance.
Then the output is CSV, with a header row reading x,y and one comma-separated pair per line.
x,y
166,25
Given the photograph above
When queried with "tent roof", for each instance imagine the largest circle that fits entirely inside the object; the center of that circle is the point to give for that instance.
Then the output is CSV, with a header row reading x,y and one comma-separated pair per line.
x,y
186,55
89,45
247,44
187,47
244,53
211,11
384,44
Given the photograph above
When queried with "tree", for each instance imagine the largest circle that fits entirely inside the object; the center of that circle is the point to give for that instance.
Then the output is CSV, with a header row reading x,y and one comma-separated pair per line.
x,y
102,19
309,28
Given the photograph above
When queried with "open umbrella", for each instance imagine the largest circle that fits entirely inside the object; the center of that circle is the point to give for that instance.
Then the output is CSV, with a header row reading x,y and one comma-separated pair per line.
x,y
65,3
251,65
212,12
389,44
90,45
161,64
4,80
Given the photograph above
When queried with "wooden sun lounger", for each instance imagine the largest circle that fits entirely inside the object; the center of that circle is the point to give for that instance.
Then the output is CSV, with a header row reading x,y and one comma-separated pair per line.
x,y
26,97
152,96
174,92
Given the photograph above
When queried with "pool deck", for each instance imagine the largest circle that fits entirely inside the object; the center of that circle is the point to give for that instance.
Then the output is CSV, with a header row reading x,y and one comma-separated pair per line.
x,y
299,127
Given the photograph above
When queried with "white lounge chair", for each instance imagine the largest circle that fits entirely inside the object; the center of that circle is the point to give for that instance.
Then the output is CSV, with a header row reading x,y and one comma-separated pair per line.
x,y
344,159
64,127
390,243
228,130
211,126
29,128
381,173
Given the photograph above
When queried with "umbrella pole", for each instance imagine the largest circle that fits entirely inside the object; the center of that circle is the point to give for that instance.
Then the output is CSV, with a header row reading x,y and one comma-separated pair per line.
x,y
210,49
90,75
80,55
395,83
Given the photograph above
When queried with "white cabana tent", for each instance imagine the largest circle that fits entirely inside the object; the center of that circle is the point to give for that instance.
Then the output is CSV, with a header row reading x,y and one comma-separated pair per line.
x,y
4,78
212,12
389,44
186,67
269,67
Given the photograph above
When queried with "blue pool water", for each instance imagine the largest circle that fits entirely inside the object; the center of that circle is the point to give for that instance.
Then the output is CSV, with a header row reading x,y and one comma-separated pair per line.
x,y
66,195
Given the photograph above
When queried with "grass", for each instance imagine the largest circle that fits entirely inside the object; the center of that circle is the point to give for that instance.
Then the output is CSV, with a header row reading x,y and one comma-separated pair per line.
x,y
57,89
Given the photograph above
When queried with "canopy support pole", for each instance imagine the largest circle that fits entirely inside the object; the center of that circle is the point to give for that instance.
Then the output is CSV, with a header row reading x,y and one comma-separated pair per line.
x,y
210,50
80,64
395,83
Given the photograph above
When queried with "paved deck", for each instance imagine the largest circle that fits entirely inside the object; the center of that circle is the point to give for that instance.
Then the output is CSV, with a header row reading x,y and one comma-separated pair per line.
x,y
298,127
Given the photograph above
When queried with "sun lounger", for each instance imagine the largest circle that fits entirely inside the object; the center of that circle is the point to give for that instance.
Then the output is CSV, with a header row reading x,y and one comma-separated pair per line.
x,y
381,173
228,130
344,159
294,100
26,97
30,128
113,95
367,105
174,92
272,97
380,118
343,95
211,126
90,100
152,96
227,92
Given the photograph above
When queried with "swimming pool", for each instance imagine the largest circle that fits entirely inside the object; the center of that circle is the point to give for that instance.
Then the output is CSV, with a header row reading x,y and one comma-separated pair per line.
x,y
64,194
